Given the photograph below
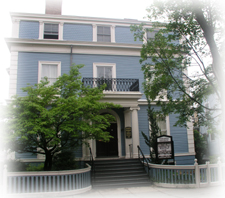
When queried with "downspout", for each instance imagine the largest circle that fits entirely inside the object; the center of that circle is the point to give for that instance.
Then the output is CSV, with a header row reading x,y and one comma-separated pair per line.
x,y
71,56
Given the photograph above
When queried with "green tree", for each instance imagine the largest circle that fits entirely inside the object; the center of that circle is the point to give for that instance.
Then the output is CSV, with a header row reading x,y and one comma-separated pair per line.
x,y
190,36
154,132
62,116
200,146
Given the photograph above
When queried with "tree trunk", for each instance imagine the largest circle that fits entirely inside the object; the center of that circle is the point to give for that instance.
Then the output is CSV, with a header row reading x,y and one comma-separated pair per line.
x,y
48,161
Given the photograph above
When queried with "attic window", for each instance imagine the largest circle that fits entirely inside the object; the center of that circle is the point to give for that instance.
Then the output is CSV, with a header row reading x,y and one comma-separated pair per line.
x,y
151,34
103,34
51,31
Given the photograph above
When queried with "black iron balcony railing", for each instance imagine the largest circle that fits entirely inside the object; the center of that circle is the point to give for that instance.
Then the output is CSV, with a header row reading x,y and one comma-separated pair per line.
x,y
113,84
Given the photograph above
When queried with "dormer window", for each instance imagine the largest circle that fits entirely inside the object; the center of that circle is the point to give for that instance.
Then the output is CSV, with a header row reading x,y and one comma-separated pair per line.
x,y
51,31
103,34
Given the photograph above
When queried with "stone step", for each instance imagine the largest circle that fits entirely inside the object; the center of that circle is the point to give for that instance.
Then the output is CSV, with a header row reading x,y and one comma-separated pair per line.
x,y
119,173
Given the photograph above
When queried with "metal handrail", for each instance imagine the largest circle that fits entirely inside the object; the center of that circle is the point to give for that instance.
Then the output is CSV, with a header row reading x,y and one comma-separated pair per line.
x,y
131,150
113,84
92,161
143,158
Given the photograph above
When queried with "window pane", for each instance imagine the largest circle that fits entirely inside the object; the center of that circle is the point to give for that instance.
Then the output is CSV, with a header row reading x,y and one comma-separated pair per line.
x,y
103,34
51,28
100,38
108,72
106,38
100,30
104,72
50,31
49,71
100,72
106,30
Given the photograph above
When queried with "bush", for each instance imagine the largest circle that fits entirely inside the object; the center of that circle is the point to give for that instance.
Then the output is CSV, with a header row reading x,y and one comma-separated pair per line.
x,y
200,146
35,167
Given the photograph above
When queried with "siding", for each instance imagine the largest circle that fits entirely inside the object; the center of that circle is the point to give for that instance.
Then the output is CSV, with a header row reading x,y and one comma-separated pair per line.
x,y
143,126
28,67
25,155
29,30
124,35
179,136
77,32
185,160
126,66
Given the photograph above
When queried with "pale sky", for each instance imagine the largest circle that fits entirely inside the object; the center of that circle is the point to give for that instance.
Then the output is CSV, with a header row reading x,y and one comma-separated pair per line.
x,y
135,9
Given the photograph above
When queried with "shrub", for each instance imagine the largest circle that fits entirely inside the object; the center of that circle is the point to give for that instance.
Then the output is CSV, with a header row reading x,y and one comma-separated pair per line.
x,y
35,167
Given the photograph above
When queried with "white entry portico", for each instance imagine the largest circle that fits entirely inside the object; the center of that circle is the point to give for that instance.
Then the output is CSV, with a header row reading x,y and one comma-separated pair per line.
x,y
129,102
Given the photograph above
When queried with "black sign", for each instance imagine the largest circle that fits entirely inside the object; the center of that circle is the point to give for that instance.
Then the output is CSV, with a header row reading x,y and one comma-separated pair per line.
x,y
165,148
128,132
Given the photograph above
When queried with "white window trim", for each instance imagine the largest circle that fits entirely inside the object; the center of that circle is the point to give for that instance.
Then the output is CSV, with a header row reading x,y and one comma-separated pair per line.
x,y
40,63
212,140
112,28
95,65
167,126
145,34
41,29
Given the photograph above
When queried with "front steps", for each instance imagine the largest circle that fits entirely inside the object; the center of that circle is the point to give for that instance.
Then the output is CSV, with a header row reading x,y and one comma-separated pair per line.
x,y
119,173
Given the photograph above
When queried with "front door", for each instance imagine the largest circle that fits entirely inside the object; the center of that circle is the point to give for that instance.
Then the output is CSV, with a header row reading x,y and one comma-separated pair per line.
x,y
107,149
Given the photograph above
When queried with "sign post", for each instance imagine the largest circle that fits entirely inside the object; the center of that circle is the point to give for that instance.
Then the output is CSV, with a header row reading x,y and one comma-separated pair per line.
x,y
165,149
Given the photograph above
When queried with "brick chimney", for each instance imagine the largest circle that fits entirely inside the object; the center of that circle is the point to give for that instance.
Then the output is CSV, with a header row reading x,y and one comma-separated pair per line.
x,y
53,7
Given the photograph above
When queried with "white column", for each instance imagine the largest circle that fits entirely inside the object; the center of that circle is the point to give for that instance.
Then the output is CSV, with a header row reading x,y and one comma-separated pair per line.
x,y
135,130
94,32
113,39
190,136
85,150
13,74
15,28
41,29
61,31
128,141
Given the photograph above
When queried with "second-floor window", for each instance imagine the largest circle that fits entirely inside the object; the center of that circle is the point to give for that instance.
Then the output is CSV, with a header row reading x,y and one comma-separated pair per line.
x,y
51,70
104,72
51,31
103,34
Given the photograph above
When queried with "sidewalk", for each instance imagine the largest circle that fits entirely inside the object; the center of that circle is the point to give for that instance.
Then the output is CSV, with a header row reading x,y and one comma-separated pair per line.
x,y
210,192
143,192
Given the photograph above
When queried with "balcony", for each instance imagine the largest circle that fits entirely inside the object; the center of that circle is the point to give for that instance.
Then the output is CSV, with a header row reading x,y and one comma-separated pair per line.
x,y
113,84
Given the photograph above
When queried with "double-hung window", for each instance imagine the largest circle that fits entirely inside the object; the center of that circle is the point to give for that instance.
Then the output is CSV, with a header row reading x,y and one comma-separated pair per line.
x,y
162,125
51,70
151,34
103,34
51,31
105,73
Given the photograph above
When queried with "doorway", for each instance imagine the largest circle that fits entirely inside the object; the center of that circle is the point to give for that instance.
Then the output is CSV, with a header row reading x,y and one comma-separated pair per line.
x,y
108,149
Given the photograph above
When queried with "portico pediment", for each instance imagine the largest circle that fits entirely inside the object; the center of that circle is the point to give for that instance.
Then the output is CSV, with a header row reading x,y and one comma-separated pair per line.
x,y
125,99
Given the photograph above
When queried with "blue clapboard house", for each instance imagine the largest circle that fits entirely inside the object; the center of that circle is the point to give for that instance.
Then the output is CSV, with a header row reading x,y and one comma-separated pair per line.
x,y
47,44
